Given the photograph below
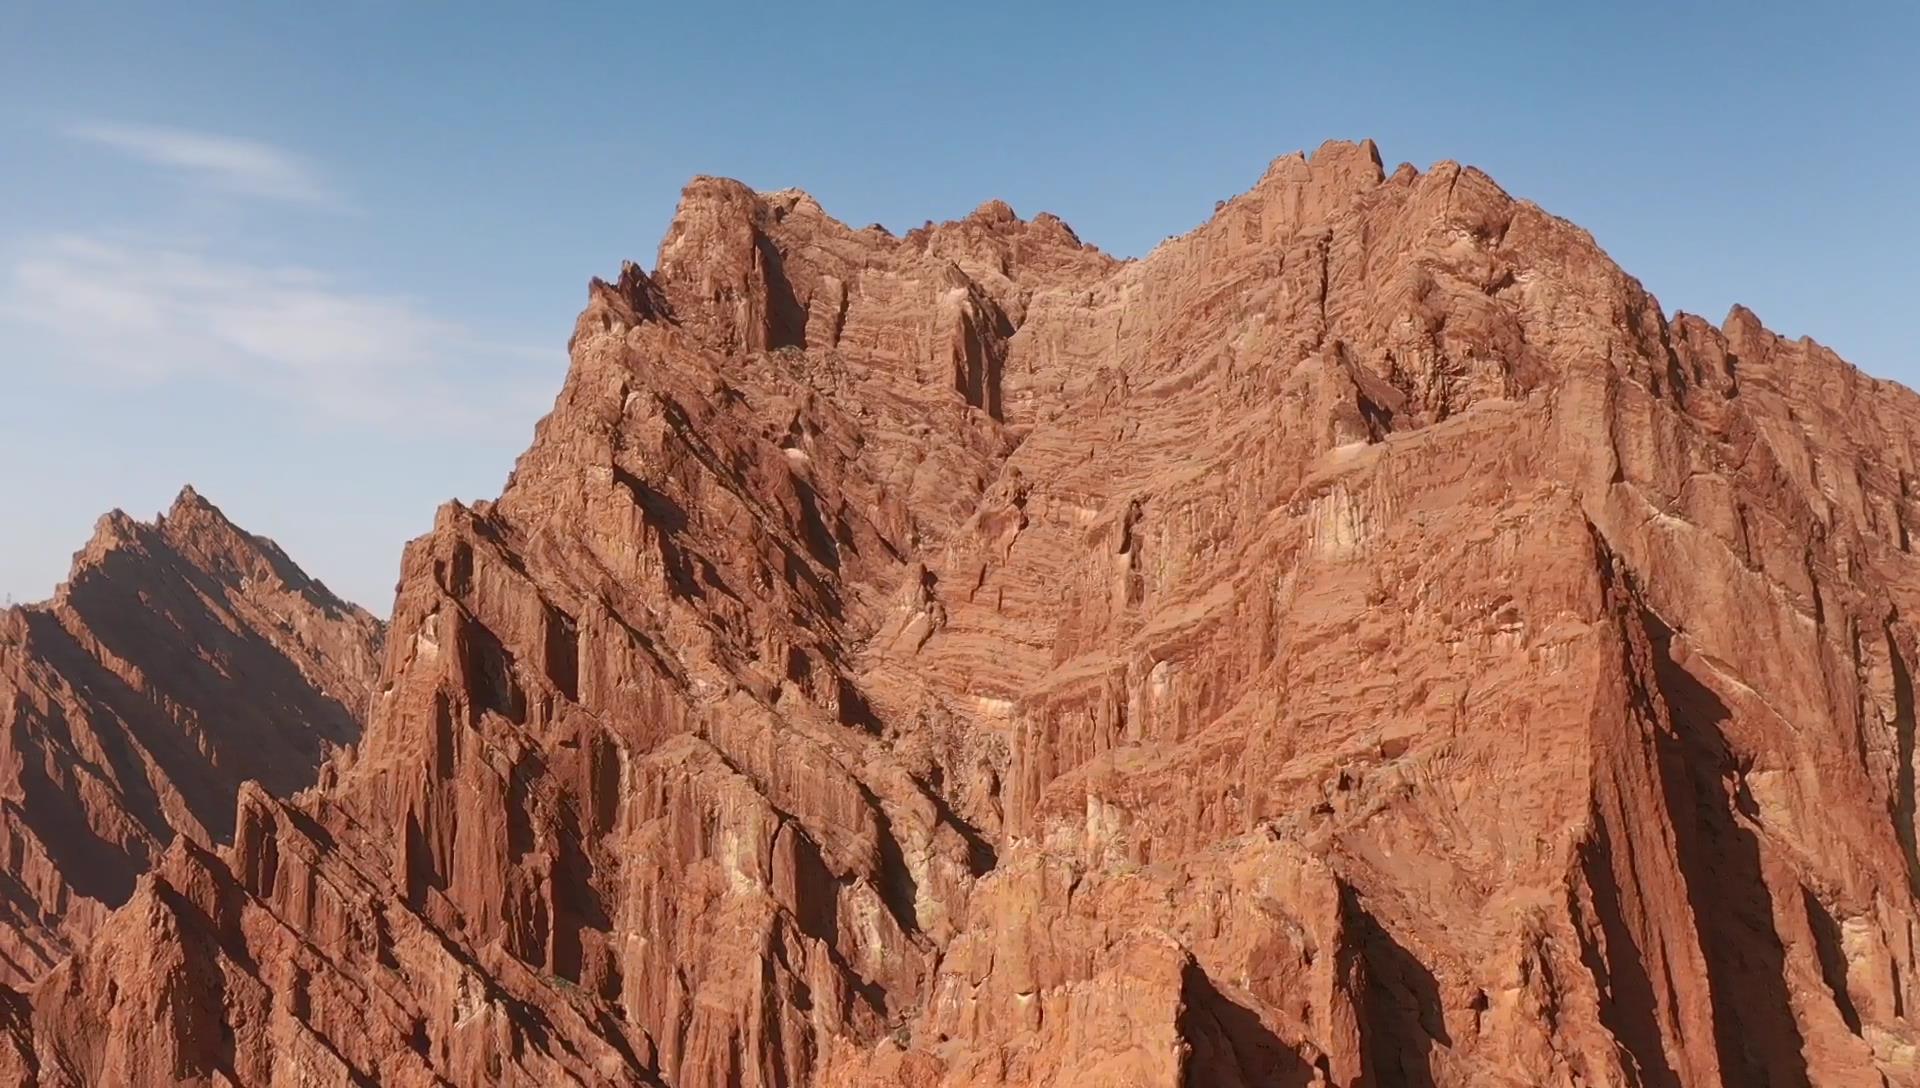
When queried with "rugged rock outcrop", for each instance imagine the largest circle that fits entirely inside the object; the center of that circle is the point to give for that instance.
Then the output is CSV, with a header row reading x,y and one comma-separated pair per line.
x,y
180,659
1364,642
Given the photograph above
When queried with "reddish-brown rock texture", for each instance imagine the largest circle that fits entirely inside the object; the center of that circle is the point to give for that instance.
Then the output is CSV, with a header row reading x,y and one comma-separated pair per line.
x,y
180,659
1364,642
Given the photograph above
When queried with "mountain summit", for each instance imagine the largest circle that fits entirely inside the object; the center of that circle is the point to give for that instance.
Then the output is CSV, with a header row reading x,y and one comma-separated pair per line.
x,y
1363,642
179,659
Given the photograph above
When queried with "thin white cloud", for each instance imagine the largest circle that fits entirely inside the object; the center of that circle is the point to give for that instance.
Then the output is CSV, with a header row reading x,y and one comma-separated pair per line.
x,y
128,315
241,167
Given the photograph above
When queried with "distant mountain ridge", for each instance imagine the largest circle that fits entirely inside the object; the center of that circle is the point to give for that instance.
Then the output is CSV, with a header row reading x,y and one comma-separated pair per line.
x,y
180,658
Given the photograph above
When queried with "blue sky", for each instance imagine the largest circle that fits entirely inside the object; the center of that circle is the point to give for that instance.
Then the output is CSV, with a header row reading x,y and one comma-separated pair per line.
x,y
322,260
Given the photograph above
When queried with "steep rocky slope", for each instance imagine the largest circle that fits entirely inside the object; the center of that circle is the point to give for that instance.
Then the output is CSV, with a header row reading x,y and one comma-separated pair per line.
x,y
179,659
1364,642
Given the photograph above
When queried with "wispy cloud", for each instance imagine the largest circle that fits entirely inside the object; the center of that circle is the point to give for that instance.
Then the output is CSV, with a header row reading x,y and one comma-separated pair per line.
x,y
241,167
129,314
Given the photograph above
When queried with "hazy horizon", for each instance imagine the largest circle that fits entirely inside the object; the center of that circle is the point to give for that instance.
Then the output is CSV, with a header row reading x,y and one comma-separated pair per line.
x,y
323,266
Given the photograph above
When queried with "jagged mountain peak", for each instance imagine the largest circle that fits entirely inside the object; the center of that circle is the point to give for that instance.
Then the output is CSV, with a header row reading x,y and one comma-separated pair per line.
x,y
195,538
181,657
1364,641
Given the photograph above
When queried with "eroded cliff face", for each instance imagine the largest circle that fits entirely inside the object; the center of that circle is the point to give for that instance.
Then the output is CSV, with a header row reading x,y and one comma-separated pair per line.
x,y
180,659
1364,642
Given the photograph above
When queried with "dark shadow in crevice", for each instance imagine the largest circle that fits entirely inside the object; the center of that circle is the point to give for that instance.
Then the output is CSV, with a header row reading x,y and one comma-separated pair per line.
x,y
1755,1032
982,858
1833,957
815,911
855,712
490,672
668,520
897,887
813,526
1401,1016
577,905
1230,1047
786,319
1903,731
562,651
1628,1005
978,364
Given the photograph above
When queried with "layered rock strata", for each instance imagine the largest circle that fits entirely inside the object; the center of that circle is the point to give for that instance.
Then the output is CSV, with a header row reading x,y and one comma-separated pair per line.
x,y
1364,642
179,659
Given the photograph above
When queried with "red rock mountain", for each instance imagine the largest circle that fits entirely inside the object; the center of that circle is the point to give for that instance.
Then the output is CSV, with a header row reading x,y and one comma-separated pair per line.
x,y
1364,642
179,660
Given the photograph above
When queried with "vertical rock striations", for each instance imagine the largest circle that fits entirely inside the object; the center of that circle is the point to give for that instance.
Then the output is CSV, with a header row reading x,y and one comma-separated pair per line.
x,y
179,660
1364,642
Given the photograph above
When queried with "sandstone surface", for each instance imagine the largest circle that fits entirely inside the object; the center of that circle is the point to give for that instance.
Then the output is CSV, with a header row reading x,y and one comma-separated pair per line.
x,y
1364,642
180,659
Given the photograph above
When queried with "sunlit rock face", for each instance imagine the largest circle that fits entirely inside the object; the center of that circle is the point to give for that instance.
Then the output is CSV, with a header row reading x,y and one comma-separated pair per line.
x,y
1364,642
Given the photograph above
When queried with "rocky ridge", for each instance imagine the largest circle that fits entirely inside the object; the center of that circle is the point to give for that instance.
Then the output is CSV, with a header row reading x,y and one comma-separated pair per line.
x,y
179,659
1364,642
